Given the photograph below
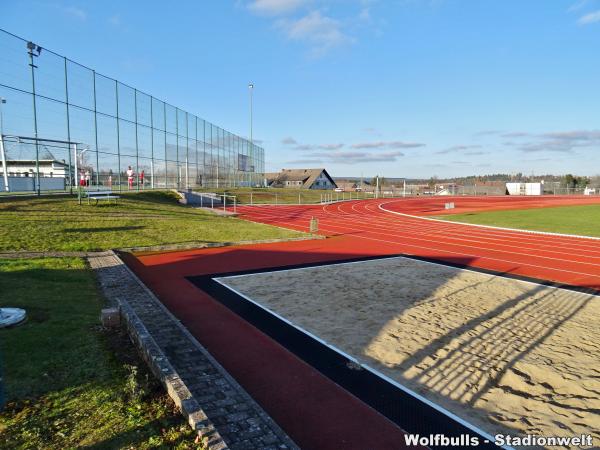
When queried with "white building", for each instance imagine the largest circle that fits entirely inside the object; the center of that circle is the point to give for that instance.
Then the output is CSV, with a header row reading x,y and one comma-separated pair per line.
x,y
524,188
54,175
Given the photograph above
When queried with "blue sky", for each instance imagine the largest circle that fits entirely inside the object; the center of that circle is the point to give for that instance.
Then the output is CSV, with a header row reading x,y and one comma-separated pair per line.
x,y
405,88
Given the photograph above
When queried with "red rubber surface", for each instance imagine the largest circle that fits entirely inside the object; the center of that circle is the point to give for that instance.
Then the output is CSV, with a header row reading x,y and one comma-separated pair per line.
x,y
563,259
315,412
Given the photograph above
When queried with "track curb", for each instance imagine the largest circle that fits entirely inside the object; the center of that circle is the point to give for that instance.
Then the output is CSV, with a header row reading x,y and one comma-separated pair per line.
x,y
213,403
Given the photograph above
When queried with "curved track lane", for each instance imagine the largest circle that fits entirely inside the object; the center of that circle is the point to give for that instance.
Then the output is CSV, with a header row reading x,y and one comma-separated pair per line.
x,y
562,259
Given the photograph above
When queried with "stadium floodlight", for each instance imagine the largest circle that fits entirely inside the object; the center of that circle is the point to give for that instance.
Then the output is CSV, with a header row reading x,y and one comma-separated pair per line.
x,y
251,88
35,50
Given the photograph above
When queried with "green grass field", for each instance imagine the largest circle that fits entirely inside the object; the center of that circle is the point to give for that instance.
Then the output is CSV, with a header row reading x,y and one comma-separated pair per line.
x,y
285,196
149,218
70,383
581,220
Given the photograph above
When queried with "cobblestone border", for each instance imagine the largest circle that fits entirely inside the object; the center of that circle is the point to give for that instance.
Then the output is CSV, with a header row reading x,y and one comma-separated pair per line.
x,y
213,402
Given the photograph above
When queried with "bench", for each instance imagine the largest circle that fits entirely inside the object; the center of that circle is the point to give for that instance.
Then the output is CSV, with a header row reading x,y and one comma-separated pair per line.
x,y
100,195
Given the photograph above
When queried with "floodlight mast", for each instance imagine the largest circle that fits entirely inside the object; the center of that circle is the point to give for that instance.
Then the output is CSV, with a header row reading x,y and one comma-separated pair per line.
x,y
251,88
35,50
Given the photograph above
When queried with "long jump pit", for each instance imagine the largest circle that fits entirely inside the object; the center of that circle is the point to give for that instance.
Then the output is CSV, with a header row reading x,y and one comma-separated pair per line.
x,y
434,347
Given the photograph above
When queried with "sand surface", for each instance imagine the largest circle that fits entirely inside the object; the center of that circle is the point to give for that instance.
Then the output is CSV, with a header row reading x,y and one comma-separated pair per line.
x,y
508,356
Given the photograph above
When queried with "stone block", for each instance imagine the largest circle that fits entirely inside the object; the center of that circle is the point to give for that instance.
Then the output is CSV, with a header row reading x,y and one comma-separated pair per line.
x,y
110,317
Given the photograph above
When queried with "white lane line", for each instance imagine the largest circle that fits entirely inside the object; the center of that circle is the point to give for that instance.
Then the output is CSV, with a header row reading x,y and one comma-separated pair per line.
x,y
500,232
328,228
575,236
447,242
460,233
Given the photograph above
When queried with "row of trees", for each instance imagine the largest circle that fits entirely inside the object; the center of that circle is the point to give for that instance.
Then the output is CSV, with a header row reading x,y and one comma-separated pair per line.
x,y
572,181
569,180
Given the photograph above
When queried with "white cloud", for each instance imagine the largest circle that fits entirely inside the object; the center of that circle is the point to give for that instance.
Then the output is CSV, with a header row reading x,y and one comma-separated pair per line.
x,y
371,130
305,161
577,135
365,15
556,146
322,32
487,133
476,153
304,147
578,5
515,134
331,146
289,141
115,20
590,18
457,148
77,13
387,144
275,7
356,157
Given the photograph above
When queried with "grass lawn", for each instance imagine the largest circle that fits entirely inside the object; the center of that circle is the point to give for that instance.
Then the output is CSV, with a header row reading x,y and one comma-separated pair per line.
x,y
69,383
581,220
149,218
285,195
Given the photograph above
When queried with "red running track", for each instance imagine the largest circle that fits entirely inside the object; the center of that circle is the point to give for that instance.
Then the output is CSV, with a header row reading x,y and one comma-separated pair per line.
x,y
377,224
315,412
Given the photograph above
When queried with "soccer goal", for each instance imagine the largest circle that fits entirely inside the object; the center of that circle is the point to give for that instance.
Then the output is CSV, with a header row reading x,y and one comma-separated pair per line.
x,y
38,165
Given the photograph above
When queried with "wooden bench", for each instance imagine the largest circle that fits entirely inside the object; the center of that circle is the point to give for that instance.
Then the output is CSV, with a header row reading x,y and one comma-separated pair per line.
x,y
100,195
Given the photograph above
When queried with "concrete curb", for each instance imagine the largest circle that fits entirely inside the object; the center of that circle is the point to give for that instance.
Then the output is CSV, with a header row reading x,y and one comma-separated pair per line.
x,y
255,429
158,362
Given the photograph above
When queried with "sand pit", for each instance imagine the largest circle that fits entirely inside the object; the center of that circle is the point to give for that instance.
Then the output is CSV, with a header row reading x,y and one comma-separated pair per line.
x,y
508,356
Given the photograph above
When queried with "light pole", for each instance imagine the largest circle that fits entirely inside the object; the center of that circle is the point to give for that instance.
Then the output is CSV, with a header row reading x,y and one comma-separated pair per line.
x,y
2,153
251,152
35,50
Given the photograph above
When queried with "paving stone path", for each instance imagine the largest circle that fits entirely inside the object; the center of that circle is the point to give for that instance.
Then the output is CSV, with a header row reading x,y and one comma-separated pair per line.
x,y
214,403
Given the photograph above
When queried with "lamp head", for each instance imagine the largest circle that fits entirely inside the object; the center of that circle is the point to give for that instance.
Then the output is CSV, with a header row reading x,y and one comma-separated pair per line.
x,y
34,48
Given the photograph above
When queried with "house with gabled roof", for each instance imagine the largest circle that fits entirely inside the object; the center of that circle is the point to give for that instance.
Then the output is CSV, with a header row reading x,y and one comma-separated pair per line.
x,y
301,179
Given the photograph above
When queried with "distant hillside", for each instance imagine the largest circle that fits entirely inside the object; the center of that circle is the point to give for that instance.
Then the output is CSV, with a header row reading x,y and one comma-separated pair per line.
x,y
469,180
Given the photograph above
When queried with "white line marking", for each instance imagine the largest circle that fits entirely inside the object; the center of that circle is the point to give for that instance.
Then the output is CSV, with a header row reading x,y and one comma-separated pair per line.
x,y
548,233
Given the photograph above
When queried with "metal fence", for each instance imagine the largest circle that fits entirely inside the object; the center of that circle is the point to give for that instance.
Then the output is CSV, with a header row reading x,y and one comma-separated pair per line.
x,y
122,133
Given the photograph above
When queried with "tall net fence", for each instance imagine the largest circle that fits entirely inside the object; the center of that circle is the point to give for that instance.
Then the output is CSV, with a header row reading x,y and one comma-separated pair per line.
x,y
121,130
